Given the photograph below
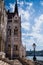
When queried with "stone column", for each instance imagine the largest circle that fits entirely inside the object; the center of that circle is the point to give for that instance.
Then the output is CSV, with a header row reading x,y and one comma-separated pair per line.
x,y
12,38
0,30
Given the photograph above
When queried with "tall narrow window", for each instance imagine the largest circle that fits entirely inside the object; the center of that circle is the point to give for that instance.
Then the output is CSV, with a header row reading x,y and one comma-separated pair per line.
x,y
10,20
15,47
9,47
16,31
15,21
9,31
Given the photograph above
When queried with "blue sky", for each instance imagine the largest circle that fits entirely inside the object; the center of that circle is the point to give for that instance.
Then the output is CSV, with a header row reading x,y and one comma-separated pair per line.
x,y
31,12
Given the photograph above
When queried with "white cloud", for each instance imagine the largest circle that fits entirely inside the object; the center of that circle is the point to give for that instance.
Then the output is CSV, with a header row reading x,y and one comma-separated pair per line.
x,y
41,2
30,3
28,42
24,14
37,29
11,6
35,36
26,25
20,3
38,23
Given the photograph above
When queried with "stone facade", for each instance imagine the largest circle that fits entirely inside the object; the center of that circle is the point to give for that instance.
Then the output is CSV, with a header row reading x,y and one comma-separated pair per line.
x,y
3,19
11,42
1,24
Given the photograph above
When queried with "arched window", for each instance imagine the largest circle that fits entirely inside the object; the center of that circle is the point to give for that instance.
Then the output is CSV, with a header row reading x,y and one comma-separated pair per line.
x,y
16,31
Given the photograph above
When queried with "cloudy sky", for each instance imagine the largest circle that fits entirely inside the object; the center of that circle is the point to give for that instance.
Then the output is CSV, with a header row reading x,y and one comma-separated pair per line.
x,y
31,12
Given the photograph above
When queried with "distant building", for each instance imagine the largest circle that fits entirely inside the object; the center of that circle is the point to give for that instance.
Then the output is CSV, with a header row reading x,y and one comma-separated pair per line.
x,y
11,42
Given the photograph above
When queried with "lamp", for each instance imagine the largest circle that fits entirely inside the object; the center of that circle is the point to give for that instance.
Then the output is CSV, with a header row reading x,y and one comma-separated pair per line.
x,y
34,46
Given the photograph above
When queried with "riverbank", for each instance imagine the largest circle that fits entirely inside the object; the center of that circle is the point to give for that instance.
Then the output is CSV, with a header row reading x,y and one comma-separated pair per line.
x,y
39,58
37,53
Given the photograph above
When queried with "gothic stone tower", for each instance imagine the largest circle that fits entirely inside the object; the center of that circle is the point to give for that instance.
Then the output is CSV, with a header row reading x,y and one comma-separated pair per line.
x,y
13,40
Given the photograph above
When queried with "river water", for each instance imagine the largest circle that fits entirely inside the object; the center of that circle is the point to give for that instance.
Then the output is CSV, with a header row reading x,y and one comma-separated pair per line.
x,y
37,57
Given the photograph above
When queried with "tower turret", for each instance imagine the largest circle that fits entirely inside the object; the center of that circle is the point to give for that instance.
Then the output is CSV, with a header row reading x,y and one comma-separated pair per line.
x,y
16,8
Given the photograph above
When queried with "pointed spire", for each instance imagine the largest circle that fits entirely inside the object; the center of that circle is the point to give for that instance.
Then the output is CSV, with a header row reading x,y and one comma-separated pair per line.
x,y
16,8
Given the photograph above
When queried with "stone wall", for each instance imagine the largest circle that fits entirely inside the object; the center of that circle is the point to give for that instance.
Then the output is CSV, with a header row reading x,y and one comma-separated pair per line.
x,y
3,22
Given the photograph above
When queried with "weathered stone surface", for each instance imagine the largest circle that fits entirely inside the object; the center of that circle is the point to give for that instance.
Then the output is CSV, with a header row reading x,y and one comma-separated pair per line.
x,y
17,62
38,62
3,63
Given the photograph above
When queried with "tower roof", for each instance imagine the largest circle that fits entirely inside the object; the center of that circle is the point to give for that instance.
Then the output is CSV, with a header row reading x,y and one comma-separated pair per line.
x,y
16,8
